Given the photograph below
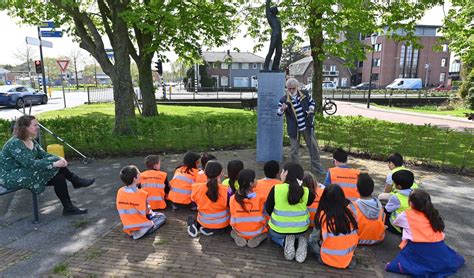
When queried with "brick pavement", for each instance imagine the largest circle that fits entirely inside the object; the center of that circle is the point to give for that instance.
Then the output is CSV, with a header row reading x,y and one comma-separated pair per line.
x,y
171,252
10,257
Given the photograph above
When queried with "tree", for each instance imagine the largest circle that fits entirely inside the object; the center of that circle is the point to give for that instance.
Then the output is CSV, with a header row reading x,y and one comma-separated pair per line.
x,y
81,18
292,52
458,29
76,56
183,26
25,55
332,26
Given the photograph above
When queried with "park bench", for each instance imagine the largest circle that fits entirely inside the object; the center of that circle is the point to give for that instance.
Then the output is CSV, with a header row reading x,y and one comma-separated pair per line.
x,y
4,191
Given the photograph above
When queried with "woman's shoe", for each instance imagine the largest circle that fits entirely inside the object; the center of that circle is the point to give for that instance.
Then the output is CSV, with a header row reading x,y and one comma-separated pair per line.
x,y
78,182
70,209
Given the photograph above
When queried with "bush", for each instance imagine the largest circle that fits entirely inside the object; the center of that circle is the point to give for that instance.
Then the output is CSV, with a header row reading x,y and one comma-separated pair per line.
x,y
470,98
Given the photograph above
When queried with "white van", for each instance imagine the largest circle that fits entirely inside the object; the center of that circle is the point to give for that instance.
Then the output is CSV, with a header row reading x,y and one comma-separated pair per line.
x,y
406,84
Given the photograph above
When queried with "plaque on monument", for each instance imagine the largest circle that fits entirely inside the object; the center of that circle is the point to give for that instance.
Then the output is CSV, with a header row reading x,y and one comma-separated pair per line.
x,y
271,87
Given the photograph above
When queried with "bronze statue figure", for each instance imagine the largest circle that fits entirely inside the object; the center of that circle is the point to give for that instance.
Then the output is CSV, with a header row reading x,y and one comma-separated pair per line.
x,y
276,38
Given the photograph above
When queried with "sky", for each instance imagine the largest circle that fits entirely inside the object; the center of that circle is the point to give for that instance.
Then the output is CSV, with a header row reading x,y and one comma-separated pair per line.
x,y
15,34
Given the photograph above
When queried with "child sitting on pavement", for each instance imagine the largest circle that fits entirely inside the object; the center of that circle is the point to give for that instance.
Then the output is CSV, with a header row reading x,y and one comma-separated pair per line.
x,y
343,175
317,189
271,169
233,169
155,182
136,215
182,182
201,176
370,213
398,202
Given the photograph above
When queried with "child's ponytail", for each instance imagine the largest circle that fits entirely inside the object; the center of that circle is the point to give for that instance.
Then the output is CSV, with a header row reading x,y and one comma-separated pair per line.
x,y
213,171
421,201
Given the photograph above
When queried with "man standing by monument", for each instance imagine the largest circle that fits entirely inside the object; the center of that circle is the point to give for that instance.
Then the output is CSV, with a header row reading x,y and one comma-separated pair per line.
x,y
276,38
298,108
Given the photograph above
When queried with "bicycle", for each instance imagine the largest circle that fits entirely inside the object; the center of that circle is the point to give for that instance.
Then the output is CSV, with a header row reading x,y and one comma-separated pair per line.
x,y
329,106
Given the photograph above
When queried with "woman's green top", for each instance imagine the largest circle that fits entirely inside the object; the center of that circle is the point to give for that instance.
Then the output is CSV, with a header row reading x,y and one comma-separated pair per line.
x,y
21,167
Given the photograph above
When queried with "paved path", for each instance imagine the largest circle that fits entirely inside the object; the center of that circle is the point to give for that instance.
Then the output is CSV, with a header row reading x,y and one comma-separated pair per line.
x,y
94,245
354,109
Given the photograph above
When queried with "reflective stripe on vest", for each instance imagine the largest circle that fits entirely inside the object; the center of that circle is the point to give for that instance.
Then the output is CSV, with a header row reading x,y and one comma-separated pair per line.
x,y
402,197
368,242
141,225
155,198
338,252
183,178
371,223
252,233
345,184
290,213
247,219
221,217
289,224
131,211
181,191
153,185
312,209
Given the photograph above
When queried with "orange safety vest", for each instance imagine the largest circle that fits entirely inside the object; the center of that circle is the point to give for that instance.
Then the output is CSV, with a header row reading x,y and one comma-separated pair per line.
x,y
420,227
181,186
314,206
337,250
250,222
211,215
132,209
264,186
201,177
346,178
371,231
153,182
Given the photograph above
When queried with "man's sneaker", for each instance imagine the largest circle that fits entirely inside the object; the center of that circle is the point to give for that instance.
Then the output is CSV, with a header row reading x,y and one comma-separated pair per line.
x,y
289,247
302,249
140,233
239,241
192,229
203,231
255,241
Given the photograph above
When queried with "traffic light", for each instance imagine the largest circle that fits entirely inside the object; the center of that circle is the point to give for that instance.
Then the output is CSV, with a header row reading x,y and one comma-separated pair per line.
x,y
159,67
38,66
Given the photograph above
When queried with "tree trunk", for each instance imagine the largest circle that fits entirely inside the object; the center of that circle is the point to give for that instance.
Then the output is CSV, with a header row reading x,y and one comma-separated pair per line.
x,y
317,51
75,71
147,89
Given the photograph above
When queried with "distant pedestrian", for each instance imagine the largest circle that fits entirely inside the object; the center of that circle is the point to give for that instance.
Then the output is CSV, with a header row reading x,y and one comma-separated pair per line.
x,y
298,108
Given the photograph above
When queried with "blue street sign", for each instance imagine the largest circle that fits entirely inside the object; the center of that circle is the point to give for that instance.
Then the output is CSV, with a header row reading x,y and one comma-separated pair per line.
x,y
8,82
110,55
47,24
51,34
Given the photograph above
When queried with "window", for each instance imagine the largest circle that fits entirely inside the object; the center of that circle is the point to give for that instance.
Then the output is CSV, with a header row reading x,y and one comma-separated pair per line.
x,y
378,47
376,62
224,81
235,66
445,47
375,77
361,64
214,65
333,68
442,77
224,66
245,66
443,62
324,67
255,66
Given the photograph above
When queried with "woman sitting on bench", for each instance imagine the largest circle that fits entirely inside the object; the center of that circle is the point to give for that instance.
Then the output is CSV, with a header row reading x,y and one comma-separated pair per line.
x,y
24,164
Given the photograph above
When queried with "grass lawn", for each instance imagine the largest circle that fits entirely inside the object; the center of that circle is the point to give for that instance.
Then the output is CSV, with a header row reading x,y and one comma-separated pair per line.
x,y
432,109
108,109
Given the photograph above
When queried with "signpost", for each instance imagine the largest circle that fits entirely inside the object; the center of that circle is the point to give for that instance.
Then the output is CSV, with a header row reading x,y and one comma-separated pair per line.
x,y
63,66
52,34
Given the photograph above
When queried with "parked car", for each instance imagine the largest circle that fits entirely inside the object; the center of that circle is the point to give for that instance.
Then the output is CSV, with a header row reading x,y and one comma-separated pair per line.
x,y
327,85
405,83
364,86
443,87
18,96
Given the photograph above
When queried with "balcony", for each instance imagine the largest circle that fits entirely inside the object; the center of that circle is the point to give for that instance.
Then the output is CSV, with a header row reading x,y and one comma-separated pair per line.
x,y
330,73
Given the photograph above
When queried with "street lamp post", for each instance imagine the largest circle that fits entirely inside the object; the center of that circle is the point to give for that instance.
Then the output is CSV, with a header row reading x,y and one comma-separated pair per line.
x,y
373,40
427,68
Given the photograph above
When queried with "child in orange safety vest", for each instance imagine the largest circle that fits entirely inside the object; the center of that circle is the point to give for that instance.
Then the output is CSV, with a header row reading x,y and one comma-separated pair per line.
x,y
136,215
316,188
264,186
249,226
183,179
212,204
369,212
334,237
343,175
424,253
155,182
201,177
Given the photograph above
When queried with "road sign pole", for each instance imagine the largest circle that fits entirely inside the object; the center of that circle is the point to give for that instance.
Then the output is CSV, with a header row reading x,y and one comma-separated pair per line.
x,y
62,83
42,64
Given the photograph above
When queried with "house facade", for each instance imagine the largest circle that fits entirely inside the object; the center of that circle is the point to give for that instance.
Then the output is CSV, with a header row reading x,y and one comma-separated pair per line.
x,y
333,70
393,59
233,69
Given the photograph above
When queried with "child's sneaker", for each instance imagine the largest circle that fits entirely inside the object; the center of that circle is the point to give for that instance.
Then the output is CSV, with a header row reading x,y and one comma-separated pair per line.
x,y
140,233
203,231
302,249
289,250
192,229
239,241
174,207
255,241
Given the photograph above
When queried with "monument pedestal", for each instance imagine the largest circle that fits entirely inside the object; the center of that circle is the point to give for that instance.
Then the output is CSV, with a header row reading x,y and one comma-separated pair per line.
x,y
271,87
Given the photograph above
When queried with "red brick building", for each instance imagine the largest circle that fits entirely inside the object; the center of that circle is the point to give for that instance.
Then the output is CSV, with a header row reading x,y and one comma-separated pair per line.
x,y
400,60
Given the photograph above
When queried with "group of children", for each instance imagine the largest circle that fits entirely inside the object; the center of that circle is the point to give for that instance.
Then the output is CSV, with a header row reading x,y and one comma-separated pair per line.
x,y
283,206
